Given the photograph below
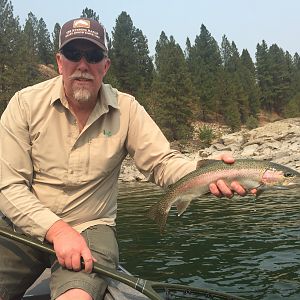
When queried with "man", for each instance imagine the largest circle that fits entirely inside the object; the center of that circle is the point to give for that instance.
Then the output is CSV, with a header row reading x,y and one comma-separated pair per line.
x,y
62,145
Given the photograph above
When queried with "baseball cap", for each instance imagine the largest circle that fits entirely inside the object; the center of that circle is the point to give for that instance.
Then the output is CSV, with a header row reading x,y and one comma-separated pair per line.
x,y
83,28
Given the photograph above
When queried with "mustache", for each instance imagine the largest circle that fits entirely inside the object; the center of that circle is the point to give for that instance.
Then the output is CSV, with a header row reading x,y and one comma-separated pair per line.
x,y
81,75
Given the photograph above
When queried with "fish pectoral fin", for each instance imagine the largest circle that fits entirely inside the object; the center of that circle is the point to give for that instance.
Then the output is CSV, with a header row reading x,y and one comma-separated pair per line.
x,y
258,193
182,205
259,190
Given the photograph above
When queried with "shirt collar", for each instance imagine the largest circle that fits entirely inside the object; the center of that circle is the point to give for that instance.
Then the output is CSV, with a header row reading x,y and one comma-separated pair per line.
x,y
58,90
108,96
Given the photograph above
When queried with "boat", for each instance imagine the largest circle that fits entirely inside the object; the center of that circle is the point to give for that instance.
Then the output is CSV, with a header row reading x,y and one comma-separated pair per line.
x,y
121,284
40,290
115,291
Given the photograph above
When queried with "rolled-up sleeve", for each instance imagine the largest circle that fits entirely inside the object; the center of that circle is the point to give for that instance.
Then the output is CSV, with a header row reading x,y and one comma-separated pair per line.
x,y
17,201
151,150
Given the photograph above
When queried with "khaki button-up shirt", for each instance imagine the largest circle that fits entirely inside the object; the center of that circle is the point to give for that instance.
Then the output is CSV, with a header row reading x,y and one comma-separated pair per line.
x,y
51,171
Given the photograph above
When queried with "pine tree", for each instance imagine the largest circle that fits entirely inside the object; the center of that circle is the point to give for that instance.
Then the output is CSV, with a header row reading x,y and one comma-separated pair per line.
x,y
295,83
172,89
89,13
131,64
188,49
264,75
123,55
144,61
241,94
281,81
10,32
44,44
31,36
55,43
249,83
227,55
55,38
29,51
292,108
233,73
228,103
204,62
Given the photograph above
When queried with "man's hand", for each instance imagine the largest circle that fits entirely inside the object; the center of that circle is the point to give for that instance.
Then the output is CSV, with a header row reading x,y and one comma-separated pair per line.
x,y
220,188
69,247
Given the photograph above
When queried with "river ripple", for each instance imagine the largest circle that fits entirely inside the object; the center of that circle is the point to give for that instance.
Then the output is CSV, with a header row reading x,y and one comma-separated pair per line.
x,y
239,246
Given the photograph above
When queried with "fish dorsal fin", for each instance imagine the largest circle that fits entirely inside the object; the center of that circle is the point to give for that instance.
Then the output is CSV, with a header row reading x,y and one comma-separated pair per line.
x,y
204,162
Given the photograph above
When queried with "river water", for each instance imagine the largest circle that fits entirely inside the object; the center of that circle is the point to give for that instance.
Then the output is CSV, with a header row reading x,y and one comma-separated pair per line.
x,y
244,247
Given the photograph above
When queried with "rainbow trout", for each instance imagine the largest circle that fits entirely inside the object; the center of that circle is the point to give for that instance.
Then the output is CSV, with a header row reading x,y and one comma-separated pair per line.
x,y
251,174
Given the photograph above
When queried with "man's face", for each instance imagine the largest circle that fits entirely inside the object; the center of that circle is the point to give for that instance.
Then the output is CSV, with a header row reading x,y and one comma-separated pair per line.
x,y
82,78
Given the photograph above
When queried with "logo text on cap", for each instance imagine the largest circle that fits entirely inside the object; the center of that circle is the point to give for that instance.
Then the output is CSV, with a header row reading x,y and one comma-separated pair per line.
x,y
81,23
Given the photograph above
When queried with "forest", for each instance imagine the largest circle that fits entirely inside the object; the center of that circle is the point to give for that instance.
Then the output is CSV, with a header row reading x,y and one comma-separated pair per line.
x,y
204,82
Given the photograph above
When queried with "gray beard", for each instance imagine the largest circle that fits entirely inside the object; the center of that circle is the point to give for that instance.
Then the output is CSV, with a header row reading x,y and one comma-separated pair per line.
x,y
82,95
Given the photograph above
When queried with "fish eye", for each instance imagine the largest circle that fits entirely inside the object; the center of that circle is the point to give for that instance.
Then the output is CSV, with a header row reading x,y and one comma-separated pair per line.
x,y
288,174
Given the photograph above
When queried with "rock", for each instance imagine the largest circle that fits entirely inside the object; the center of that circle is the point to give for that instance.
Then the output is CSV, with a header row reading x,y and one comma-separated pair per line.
x,y
233,138
278,141
221,147
249,150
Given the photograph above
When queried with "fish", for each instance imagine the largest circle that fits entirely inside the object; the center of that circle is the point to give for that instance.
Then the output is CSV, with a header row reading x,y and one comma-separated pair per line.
x,y
252,174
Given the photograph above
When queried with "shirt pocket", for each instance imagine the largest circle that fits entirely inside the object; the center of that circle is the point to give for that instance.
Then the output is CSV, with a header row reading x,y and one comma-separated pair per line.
x,y
105,156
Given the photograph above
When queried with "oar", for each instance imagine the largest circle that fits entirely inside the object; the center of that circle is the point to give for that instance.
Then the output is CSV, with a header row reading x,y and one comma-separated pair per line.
x,y
146,287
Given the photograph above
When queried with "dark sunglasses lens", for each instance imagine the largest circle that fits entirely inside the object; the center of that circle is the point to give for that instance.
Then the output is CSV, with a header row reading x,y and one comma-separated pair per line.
x,y
72,55
92,56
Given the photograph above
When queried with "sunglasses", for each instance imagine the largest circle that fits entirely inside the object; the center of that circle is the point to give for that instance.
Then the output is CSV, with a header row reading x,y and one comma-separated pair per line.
x,y
92,56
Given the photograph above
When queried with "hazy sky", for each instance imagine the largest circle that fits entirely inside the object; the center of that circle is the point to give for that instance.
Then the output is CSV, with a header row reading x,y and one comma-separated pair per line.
x,y
246,22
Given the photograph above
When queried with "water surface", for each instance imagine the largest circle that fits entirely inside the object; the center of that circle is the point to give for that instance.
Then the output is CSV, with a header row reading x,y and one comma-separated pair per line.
x,y
239,246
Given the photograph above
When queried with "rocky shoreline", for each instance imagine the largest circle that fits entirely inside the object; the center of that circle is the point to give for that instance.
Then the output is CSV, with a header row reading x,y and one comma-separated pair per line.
x,y
277,141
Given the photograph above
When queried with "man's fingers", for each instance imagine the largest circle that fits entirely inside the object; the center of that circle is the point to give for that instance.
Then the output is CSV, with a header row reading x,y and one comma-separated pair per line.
x,y
221,189
214,190
70,246
68,263
61,261
227,158
88,261
224,189
76,263
235,186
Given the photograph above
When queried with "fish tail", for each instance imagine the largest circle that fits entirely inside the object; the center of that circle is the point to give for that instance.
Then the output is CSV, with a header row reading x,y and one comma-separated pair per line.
x,y
158,216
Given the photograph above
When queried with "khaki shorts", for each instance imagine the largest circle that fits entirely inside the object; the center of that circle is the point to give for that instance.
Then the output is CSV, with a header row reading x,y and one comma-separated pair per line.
x,y
21,265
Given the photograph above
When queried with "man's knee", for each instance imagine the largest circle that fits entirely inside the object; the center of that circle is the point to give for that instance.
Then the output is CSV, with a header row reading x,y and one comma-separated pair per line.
x,y
74,294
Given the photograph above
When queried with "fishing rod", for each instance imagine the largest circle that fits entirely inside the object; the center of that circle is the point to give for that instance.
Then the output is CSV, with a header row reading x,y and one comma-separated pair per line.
x,y
146,287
